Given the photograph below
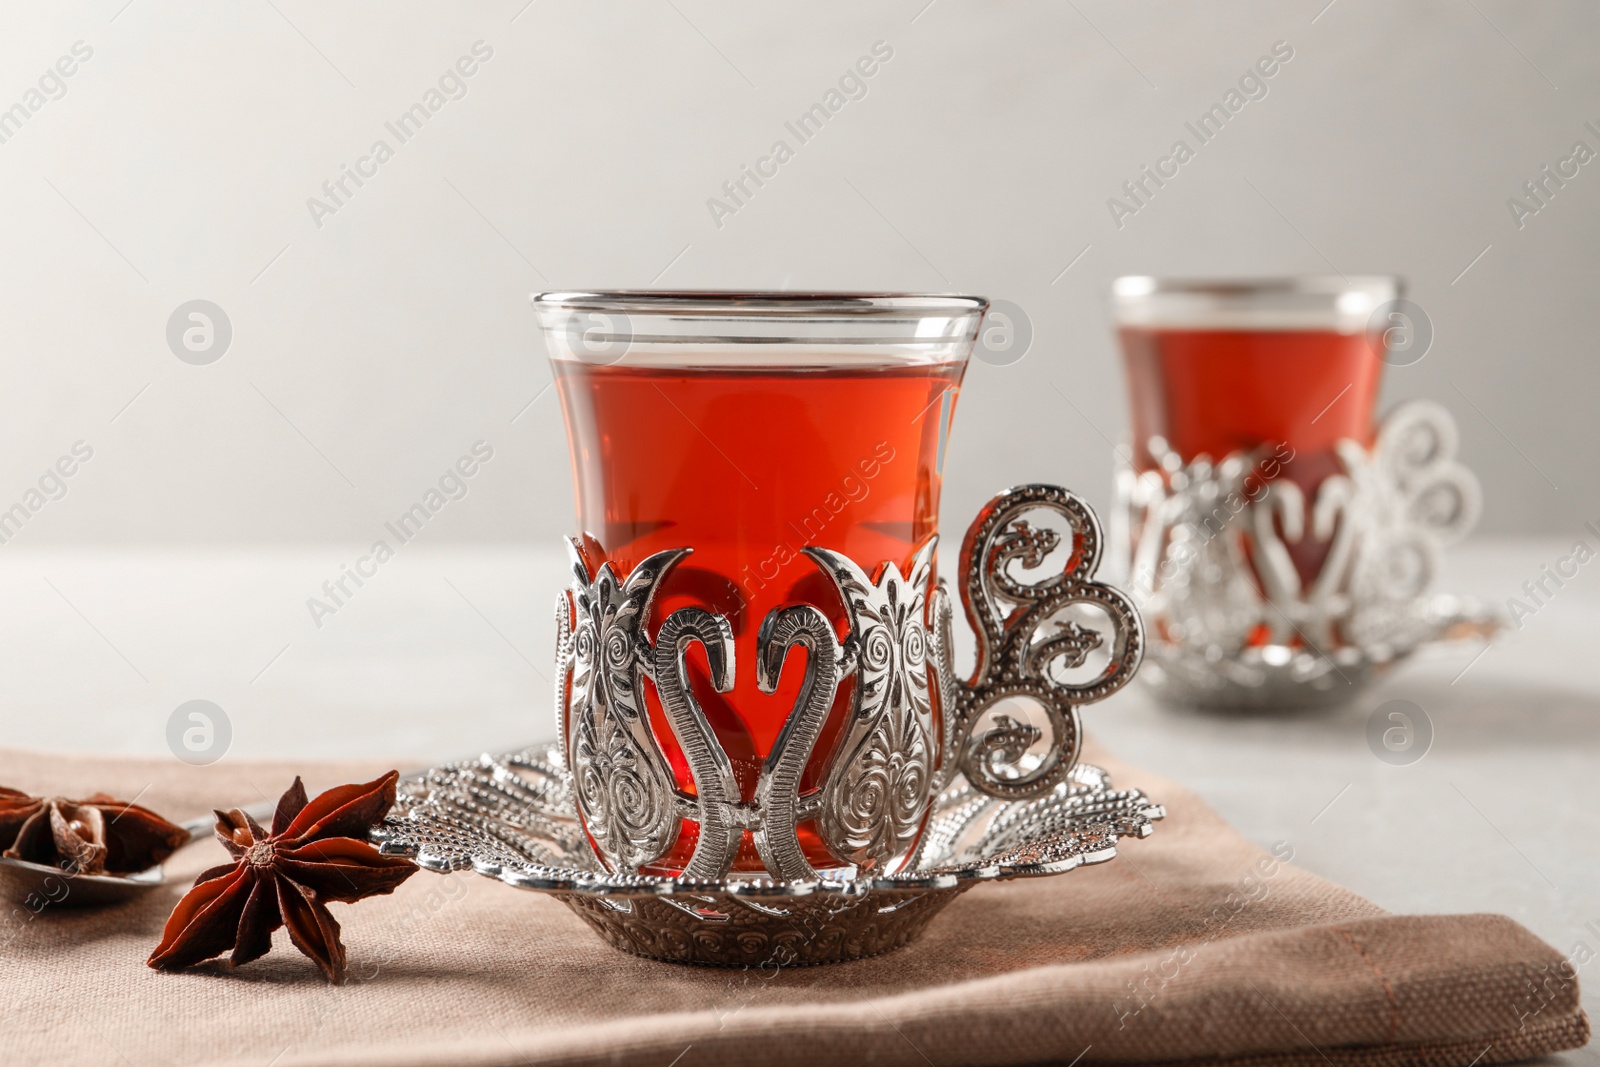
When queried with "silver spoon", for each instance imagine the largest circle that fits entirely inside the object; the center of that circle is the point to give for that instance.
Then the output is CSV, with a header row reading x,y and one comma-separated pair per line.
x,y
38,885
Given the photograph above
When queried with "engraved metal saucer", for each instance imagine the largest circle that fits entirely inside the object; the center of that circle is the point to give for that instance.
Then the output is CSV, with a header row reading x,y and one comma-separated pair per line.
x,y
513,817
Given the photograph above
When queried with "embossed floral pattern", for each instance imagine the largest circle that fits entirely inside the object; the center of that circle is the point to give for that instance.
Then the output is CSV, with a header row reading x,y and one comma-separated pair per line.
x,y
877,787
623,784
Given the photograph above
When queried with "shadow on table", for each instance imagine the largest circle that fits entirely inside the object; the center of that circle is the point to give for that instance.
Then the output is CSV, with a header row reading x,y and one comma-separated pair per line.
x,y
1477,717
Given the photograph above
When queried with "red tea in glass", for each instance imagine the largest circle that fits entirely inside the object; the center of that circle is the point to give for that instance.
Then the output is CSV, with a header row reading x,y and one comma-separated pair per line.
x,y
748,427
1288,365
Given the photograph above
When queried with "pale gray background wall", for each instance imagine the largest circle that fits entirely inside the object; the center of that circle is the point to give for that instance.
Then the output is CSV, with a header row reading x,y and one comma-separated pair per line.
x,y
369,352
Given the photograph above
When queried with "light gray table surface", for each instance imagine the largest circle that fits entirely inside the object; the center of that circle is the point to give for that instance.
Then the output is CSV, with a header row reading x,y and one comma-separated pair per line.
x,y
445,653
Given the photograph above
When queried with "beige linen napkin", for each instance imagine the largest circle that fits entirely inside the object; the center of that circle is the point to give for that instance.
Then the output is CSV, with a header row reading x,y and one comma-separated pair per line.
x,y
1193,945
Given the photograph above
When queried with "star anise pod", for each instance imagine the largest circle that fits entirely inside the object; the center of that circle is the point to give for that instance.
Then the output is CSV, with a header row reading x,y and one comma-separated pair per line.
x,y
96,835
315,853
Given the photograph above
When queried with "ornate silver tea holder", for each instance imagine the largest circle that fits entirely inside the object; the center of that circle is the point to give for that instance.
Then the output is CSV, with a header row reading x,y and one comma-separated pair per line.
x,y
934,784
1205,547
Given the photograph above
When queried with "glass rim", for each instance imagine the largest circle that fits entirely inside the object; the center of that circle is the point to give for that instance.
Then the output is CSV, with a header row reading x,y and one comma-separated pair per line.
x,y
1134,286
757,302
1343,303
726,329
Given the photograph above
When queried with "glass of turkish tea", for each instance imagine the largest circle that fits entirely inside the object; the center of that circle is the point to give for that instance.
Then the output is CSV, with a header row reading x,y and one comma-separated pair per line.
x,y
748,426
1281,369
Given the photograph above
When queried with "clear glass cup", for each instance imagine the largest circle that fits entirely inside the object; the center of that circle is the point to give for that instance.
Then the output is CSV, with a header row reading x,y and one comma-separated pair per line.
x,y
746,427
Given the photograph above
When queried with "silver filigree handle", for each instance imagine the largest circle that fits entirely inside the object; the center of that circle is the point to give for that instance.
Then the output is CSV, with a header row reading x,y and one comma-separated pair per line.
x,y
1021,640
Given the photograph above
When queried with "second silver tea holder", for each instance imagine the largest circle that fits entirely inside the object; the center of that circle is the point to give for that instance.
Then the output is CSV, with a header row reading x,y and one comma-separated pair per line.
x,y
1205,549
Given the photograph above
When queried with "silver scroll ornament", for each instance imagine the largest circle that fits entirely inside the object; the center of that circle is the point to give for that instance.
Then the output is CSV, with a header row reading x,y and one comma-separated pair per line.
x,y
1028,638
911,726
1206,546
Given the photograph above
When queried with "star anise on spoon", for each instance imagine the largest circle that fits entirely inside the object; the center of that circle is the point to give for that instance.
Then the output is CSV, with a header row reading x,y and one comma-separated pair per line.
x,y
96,835
316,852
